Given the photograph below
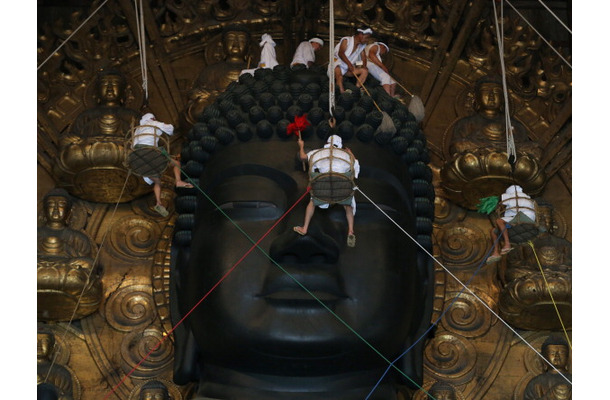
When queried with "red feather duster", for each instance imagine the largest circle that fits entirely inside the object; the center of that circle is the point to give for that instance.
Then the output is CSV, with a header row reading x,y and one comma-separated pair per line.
x,y
299,124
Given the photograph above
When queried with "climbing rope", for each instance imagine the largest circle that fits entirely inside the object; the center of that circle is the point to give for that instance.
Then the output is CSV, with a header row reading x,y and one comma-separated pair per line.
x,y
550,293
93,267
541,37
439,318
510,141
554,15
255,245
295,279
463,285
141,34
72,34
331,58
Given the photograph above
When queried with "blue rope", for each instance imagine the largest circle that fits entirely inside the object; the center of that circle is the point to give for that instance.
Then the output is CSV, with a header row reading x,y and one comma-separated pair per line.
x,y
437,321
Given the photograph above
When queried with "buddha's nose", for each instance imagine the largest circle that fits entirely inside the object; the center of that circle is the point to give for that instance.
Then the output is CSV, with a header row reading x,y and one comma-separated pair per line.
x,y
316,247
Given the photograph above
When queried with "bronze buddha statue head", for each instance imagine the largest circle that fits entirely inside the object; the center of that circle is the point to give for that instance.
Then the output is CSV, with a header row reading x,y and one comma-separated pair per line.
x,y
235,41
557,351
442,391
110,88
57,204
259,330
489,99
154,390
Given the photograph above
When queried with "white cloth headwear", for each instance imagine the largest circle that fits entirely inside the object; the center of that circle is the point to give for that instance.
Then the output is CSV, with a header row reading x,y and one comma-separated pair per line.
x,y
266,38
367,31
147,117
514,189
317,40
334,140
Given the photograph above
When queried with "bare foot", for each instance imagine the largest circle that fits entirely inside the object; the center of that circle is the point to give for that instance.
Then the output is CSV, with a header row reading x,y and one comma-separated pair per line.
x,y
300,230
183,184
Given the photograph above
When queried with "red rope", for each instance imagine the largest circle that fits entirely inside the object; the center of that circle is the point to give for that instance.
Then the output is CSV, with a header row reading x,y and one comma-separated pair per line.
x,y
207,294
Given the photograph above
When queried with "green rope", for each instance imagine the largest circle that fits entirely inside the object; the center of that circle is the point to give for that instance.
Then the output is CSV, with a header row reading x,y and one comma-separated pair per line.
x,y
299,283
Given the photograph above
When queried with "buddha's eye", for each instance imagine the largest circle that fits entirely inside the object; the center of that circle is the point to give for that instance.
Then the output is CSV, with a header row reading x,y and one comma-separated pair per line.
x,y
250,210
246,204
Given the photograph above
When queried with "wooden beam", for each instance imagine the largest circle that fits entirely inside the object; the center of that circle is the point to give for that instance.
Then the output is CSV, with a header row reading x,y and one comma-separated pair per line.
x,y
551,152
472,16
441,49
157,59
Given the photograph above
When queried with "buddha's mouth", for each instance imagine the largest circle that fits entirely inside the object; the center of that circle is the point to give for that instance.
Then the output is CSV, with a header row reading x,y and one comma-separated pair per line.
x,y
303,289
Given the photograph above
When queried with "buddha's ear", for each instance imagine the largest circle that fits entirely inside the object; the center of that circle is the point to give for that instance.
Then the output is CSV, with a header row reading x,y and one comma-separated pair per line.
x,y
412,363
186,351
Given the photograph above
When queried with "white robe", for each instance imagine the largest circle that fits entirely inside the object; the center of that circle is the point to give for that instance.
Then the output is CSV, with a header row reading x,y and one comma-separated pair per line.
x,y
268,56
375,70
304,54
353,57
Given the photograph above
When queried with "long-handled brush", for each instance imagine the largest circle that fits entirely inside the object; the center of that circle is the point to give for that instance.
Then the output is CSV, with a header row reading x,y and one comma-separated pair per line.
x,y
387,125
416,106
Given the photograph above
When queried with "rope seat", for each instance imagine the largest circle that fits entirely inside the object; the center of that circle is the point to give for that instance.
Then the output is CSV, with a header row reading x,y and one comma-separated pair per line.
x,y
331,175
146,159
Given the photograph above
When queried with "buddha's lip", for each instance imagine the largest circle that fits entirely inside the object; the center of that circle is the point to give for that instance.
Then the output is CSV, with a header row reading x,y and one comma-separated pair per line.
x,y
320,284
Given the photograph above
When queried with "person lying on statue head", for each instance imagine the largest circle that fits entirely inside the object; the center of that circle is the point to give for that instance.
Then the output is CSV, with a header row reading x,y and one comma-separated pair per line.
x,y
258,332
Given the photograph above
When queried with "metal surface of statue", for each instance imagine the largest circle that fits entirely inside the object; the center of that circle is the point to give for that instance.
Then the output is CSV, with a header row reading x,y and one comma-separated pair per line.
x,y
537,280
551,385
439,49
57,381
154,390
91,154
231,55
65,262
259,335
443,391
478,164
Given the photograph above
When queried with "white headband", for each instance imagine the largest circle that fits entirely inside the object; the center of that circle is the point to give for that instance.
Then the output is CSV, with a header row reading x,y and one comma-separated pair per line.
x,y
367,31
317,40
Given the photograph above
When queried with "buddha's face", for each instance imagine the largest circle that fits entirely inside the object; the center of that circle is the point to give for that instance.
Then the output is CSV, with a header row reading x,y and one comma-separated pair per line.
x,y
110,89
153,394
489,96
443,394
56,209
236,43
557,354
259,316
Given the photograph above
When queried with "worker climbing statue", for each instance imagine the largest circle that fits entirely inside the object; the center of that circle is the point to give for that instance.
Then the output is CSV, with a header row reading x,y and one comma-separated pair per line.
x,y
259,334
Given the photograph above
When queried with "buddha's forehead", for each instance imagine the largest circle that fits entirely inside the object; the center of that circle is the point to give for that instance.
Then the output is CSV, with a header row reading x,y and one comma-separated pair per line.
x,y
282,155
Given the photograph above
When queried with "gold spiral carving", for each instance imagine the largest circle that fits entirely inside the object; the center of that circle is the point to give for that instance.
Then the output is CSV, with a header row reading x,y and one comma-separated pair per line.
x,y
462,245
134,237
137,345
450,358
467,316
130,307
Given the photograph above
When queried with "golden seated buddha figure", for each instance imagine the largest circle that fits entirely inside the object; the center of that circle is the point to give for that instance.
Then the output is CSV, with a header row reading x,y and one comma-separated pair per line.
x,y
529,296
92,153
53,379
232,58
65,262
477,162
